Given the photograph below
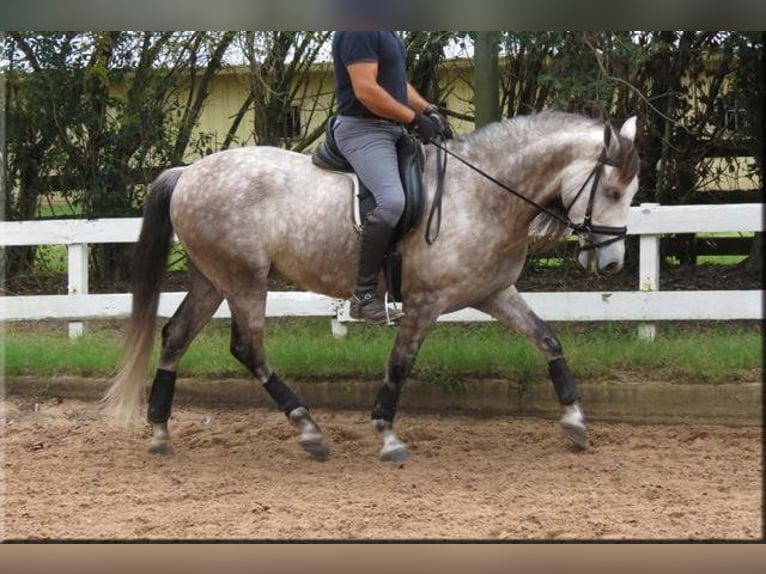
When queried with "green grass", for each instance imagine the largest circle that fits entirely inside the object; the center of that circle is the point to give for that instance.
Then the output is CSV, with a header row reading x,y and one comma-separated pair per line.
x,y
720,259
58,208
702,354
50,259
305,349
51,353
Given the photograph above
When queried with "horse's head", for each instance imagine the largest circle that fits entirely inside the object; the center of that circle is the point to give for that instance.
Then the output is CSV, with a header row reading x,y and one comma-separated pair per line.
x,y
598,203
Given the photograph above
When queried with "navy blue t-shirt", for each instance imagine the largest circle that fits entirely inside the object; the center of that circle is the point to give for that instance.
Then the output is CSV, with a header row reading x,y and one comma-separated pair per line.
x,y
384,47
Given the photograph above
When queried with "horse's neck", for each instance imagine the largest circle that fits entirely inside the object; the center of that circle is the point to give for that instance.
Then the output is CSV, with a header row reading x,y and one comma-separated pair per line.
x,y
534,168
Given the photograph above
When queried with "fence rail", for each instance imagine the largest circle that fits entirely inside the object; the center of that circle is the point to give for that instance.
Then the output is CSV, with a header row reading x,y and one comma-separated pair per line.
x,y
646,304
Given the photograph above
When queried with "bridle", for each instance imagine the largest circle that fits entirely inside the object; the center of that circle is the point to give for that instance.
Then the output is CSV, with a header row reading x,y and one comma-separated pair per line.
x,y
584,230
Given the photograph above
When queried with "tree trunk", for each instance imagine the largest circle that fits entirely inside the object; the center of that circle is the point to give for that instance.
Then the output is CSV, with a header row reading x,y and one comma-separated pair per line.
x,y
487,79
754,262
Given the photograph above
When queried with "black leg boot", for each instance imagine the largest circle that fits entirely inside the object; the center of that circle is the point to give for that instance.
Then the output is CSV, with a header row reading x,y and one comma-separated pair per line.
x,y
365,304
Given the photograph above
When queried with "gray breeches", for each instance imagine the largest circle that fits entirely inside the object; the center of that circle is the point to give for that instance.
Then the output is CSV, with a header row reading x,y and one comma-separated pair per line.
x,y
369,145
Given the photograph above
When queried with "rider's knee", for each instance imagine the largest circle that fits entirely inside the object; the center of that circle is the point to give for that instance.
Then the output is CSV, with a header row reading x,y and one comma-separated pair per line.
x,y
391,209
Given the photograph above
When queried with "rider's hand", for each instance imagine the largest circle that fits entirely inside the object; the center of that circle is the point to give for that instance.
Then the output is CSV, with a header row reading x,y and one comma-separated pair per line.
x,y
425,127
445,131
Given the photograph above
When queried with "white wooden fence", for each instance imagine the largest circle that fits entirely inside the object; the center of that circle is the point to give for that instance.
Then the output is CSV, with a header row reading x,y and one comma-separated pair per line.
x,y
648,303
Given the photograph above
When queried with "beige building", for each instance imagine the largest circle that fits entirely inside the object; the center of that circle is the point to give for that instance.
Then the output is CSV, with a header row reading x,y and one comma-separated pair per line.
x,y
230,88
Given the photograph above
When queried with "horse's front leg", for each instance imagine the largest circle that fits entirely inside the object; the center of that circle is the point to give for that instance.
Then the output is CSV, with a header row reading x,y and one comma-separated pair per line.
x,y
410,335
511,310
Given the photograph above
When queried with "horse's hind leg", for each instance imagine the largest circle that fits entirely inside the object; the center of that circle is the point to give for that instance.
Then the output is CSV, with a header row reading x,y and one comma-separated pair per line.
x,y
511,310
195,311
247,326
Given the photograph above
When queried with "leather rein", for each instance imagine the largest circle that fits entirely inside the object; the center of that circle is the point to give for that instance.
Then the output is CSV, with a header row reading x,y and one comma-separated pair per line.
x,y
586,229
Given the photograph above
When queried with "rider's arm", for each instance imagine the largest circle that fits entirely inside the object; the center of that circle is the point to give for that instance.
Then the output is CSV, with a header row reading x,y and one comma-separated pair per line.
x,y
415,100
375,98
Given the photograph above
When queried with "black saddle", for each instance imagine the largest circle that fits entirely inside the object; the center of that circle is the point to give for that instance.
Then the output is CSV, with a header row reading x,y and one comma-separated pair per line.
x,y
411,161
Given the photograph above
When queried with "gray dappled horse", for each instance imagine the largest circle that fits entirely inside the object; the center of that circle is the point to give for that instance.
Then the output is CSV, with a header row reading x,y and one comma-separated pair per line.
x,y
242,212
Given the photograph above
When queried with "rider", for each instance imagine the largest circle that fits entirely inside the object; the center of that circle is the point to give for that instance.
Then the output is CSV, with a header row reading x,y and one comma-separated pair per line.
x,y
376,105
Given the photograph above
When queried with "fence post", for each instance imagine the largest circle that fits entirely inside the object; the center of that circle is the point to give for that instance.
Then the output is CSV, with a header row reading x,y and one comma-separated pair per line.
x,y
648,270
77,275
339,330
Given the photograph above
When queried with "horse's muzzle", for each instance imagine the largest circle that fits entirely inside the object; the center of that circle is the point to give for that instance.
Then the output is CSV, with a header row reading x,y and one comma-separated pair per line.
x,y
606,257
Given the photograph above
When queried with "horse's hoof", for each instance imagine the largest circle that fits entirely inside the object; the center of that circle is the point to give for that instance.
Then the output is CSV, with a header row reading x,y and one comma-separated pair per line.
x,y
394,454
394,450
311,435
576,434
162,447
573,423
315,448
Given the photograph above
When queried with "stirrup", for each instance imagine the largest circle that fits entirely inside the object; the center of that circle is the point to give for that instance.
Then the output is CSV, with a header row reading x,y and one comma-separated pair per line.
x,y
399,314
358,305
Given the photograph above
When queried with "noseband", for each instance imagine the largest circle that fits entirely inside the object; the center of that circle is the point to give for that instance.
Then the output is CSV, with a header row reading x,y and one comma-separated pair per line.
x,y
586,229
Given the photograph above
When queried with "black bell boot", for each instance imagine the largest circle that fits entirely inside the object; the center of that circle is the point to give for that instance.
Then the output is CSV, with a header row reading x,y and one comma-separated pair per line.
x,y
365,305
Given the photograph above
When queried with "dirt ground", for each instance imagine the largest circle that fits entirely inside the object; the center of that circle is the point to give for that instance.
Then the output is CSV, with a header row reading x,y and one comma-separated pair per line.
x,y
240,474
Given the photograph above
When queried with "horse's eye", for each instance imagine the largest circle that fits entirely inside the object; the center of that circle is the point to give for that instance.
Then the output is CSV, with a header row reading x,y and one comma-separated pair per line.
x,y
613,193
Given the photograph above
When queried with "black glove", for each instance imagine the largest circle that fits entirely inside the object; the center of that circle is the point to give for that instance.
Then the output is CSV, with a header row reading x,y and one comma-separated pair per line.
x,y
425,127
445,131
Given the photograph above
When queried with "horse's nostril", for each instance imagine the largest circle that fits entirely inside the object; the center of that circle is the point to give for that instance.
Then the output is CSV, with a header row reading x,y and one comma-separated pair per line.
x,y
612,267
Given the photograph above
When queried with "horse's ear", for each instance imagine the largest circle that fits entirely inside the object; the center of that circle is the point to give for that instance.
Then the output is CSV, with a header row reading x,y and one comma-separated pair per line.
x,y
628,129
611,141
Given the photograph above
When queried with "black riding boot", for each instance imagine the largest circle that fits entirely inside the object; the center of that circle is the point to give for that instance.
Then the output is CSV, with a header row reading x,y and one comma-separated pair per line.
x,y
365,305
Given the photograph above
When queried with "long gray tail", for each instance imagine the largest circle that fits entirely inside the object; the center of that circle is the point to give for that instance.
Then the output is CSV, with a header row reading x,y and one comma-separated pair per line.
x,y
125,396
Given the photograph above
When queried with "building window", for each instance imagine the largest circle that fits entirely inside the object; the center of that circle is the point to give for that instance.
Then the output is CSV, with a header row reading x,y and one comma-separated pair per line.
x,y
734,116
735,120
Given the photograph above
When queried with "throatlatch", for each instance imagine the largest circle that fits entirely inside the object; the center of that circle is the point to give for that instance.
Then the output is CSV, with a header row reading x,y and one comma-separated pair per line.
x,y
563,381
285,398
161,396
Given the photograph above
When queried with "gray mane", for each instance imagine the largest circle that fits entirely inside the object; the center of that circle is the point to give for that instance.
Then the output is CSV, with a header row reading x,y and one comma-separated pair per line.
x,y
520,131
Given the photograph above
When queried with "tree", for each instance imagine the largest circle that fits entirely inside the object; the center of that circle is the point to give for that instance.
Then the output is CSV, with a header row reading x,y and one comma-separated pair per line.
x,y
679,83
426,61
750,87
281,65
94,115
487,80
688,143
525,88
